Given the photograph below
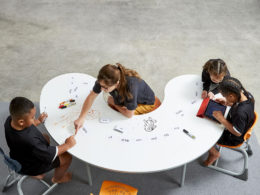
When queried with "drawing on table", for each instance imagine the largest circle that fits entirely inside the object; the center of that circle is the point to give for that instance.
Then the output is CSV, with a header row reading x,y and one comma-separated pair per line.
x,y
149,124
193,102
92,114
67,119
125,140
84,129
179,111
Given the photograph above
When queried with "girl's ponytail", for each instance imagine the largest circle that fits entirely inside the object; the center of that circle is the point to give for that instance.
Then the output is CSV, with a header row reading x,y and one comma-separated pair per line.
x,y
123,88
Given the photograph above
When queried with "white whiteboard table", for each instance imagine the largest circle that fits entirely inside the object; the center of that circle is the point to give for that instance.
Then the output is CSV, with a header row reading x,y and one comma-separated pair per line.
x,y
149,143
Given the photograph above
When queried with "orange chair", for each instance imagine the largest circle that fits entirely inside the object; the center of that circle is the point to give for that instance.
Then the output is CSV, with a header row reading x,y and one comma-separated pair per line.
x,y
246,151
116,188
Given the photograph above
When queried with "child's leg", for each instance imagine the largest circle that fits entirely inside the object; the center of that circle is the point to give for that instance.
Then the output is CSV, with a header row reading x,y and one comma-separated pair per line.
x,y
60,174
213,156
38,176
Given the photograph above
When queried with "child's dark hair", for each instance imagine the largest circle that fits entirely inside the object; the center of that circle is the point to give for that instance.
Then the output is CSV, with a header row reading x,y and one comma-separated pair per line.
x,y
215,66
19,106
233,85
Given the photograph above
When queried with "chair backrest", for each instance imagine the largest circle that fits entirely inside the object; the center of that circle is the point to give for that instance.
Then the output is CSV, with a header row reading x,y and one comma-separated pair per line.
x,y
116,188
11,163
249,131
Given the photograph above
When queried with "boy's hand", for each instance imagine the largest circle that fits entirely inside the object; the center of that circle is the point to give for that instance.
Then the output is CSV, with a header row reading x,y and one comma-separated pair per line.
x,y
211,95
70,141
43,117
204,94
78,124
218,115
221,101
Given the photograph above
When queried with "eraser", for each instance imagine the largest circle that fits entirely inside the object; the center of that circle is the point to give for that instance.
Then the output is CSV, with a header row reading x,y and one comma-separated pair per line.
x,y
118,129
104,120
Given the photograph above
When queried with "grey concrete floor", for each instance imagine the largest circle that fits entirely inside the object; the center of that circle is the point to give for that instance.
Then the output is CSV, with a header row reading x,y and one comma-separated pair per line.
x,y
161,39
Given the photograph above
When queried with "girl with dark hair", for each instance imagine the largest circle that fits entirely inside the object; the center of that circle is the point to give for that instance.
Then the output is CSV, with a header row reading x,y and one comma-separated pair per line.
x,y
214,71
240,117
129,93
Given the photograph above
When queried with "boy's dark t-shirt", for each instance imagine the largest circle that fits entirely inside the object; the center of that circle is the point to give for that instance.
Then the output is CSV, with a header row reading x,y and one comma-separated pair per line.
x,y
241,116
207,81
30,149
140,90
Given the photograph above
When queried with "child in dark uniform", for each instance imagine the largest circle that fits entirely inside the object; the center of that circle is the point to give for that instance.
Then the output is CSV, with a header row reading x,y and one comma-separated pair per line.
x,y
129,93
240,118
31,148
214,71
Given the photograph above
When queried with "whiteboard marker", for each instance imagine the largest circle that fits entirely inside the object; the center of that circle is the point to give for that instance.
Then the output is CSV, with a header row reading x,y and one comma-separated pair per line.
x,y
188,133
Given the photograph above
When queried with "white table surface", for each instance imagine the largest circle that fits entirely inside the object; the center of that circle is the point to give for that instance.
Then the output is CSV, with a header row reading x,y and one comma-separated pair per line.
x,y
136,150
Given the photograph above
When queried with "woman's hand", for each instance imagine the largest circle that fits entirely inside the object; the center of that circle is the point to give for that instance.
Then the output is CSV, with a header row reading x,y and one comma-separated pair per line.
x,y
78,124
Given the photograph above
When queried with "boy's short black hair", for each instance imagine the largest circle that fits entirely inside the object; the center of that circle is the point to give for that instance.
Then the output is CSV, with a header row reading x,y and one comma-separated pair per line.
x,y
19,106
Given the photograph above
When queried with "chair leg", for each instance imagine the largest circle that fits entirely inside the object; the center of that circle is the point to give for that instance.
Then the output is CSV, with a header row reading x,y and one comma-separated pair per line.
x,y
50,188
242,174
20,182
249,150
19,185
10,180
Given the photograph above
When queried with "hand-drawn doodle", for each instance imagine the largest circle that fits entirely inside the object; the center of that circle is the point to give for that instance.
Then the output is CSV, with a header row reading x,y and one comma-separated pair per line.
x,y
193,102
179,111
85,130
125,140
149,124
67,119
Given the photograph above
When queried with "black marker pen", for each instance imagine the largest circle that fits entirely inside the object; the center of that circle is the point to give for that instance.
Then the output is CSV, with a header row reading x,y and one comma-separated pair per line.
x,y
188,133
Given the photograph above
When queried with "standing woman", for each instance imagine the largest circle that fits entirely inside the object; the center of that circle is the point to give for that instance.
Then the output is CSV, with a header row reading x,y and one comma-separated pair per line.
x,y
130,95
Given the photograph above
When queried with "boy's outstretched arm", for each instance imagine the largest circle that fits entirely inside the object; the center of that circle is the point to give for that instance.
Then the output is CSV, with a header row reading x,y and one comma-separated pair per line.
x,y
41,119
69,143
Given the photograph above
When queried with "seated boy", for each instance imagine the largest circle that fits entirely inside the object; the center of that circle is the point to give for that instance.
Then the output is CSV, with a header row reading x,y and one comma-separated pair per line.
x,y
31,148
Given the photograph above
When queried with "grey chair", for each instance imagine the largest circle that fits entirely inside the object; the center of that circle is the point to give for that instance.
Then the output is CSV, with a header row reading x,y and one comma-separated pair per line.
x,y
245,151
14,167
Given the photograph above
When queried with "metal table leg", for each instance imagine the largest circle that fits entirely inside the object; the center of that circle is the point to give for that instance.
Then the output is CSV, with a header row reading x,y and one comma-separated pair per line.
x,y
183,175
89,175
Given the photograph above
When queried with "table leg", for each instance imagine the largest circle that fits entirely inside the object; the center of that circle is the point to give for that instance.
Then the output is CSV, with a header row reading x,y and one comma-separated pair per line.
x,y
183,175
89,175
